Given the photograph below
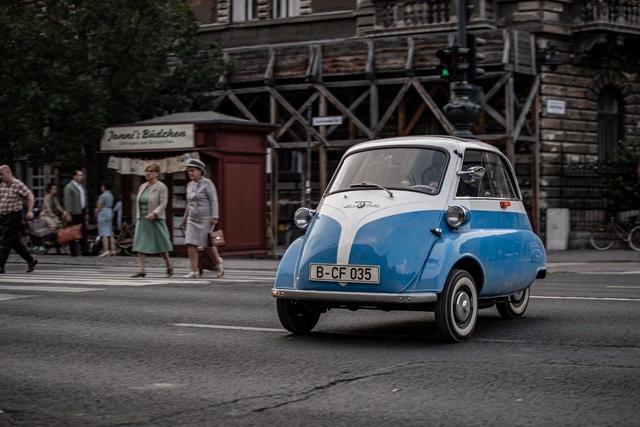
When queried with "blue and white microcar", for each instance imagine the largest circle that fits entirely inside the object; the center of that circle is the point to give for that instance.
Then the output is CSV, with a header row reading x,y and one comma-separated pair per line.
x,y
414,223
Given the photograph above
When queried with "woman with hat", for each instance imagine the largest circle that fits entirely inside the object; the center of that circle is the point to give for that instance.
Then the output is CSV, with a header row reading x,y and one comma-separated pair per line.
x,y
201,216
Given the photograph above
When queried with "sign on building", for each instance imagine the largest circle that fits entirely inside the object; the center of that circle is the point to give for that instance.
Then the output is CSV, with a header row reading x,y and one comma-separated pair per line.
x,y
327,121
556,106
154,137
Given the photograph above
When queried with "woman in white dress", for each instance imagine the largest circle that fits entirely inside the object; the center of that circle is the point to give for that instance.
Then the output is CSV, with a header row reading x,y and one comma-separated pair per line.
x,y
200,217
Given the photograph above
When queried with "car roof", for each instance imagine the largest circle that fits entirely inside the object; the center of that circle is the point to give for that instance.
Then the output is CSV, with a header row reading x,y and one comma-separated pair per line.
x,y
449,143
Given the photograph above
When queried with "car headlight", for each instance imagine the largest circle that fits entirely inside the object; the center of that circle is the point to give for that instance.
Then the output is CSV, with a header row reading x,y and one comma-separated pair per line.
x,y
302,217
457,216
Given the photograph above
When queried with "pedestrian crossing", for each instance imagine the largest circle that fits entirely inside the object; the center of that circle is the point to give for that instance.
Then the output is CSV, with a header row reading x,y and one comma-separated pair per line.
x,y
15,284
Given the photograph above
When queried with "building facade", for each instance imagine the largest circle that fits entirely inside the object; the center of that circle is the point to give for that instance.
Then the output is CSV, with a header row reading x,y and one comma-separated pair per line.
x,y
561,86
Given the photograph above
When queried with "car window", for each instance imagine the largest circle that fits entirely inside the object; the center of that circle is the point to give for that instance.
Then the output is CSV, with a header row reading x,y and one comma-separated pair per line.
x,y
406,168
494,184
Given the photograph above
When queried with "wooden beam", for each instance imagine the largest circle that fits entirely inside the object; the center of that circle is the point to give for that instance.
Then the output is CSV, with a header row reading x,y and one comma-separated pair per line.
x,y
268,74
344,110
393,106
414,119
496,87
374,113
291,110
371,55
526,107
273,119
245,111
283,129
409,65
433,107
509,113
355,104
497,116
402,116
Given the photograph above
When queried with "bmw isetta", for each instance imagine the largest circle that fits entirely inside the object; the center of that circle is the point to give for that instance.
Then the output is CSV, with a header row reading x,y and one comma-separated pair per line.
x,y
413,223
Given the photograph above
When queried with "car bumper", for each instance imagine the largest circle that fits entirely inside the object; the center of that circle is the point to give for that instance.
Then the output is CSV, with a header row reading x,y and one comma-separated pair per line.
x,y
355,297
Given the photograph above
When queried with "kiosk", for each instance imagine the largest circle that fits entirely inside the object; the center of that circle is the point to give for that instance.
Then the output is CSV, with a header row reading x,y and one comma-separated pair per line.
x,y
234,151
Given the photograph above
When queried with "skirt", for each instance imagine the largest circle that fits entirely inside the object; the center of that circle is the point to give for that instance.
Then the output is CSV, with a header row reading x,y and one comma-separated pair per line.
x,y
197,232
152,237
105,223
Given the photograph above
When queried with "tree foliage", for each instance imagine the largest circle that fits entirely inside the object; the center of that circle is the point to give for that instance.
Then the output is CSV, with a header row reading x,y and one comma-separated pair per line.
x,y
69,68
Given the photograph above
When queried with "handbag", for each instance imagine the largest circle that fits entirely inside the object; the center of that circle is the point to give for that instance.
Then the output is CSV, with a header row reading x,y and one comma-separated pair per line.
x,y
69,234
216,238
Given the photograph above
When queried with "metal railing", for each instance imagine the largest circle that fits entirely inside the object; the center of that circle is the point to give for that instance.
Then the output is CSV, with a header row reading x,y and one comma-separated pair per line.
x,y
621,12
413,13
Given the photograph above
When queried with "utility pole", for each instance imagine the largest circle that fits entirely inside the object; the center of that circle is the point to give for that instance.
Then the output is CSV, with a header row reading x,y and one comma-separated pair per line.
x,y
461,111
307,182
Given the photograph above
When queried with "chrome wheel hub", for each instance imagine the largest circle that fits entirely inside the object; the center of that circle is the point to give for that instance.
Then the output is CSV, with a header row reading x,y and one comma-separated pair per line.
x,y
462,307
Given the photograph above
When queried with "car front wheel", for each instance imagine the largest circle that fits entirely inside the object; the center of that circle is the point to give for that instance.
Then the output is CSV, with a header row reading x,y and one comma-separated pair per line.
x,y
515,306
296,317
457,307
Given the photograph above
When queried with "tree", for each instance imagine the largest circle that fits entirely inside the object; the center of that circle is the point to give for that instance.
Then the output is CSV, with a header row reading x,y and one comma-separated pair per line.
x,y
69,68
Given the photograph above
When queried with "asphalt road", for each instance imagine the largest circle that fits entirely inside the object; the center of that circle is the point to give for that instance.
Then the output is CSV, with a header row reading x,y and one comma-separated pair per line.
x,y
82,347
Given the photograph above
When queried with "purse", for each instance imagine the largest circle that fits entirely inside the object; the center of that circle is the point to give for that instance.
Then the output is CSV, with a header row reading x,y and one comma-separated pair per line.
x,y
69,234
216,238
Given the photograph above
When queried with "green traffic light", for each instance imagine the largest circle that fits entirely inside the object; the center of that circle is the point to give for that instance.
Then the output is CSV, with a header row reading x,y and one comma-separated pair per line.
x,y
445,73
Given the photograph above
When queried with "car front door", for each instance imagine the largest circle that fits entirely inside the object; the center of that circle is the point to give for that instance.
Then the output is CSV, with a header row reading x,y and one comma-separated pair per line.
x,y
499,224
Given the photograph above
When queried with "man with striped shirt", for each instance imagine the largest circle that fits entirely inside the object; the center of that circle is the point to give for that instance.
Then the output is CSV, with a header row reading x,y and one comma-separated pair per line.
x,y
13,195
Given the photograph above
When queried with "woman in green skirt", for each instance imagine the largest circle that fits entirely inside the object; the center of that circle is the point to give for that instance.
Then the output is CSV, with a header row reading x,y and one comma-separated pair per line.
x,y
152,234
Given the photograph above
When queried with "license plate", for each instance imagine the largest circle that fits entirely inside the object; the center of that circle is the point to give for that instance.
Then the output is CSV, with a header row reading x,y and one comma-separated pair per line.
x,y
345,273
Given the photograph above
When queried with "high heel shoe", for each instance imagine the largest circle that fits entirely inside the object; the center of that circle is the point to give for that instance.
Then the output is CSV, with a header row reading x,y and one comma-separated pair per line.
x,y
169,271
139,274
103,254
191,275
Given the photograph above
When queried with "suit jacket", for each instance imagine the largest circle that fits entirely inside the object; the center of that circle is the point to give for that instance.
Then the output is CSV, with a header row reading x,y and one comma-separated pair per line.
x,y
72,202
158,198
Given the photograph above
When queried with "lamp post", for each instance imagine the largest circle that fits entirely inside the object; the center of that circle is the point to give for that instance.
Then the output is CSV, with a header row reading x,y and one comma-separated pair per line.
x,y
461,111
307,182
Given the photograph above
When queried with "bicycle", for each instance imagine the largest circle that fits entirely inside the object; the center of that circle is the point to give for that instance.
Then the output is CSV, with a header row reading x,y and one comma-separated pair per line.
x,y
605,236
124,239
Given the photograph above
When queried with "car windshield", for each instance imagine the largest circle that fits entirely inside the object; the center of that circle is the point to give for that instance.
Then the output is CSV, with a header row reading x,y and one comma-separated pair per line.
x,y
415,169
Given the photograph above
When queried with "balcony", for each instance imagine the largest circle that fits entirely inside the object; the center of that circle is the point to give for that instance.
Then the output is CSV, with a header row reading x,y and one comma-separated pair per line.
x,y
621,16
412,15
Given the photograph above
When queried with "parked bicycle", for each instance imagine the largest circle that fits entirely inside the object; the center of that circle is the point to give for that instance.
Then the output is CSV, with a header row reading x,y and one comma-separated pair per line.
x,y
605,236
124,239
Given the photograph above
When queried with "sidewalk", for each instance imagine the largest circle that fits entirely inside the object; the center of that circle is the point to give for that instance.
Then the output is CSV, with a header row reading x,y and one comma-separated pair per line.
x,y
553,258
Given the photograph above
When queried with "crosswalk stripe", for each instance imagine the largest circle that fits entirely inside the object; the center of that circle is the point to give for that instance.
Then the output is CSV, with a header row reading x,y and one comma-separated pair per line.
x,y
7,297
47,289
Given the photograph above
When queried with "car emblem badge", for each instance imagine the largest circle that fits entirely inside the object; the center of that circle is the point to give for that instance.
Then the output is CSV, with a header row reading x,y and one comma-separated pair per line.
x,y
363,204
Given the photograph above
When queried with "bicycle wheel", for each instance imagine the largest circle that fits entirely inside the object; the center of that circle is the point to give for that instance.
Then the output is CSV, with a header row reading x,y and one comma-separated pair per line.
x,y
634,238
602,239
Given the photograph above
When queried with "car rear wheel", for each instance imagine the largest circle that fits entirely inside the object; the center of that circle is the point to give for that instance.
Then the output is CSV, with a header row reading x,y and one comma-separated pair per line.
x,y
296,317
457,307
515,306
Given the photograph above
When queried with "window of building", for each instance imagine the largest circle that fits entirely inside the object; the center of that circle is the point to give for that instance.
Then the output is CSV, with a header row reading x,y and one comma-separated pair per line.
x,y
610,122
286,8
244,10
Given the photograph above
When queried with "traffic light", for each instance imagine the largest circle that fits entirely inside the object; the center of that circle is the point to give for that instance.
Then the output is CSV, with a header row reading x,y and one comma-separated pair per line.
x,y
474,56
447,67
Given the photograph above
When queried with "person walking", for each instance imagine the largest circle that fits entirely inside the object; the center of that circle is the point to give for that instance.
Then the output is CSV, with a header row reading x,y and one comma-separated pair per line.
x,y
104,212
152,235
75,203
200,217
13,194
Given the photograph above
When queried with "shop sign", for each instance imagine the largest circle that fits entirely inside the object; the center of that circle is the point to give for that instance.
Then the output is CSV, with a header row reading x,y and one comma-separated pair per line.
x,y
327,121
155,137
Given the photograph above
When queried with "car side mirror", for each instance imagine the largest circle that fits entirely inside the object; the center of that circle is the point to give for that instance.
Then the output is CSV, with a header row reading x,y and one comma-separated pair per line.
x,y
471,175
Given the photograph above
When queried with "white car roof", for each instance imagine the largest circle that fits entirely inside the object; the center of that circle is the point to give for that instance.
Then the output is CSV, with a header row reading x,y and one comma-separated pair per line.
x,y
449,143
